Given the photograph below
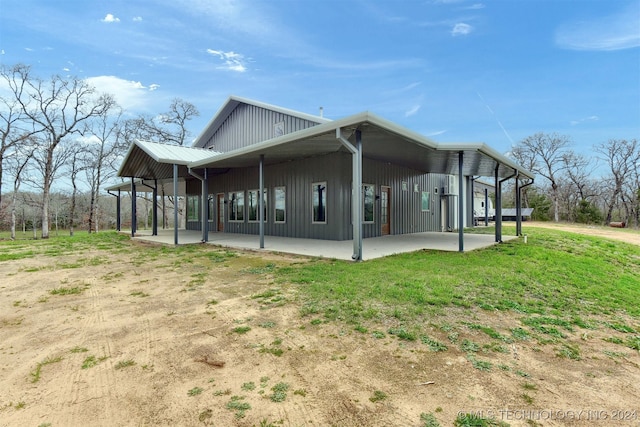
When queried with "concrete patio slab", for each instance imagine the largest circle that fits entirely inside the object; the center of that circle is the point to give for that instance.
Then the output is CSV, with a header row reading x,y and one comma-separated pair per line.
x,y
374,247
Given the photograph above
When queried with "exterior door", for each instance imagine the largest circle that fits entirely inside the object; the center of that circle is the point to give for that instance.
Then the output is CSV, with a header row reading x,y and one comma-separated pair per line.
x,y
385,210
220,203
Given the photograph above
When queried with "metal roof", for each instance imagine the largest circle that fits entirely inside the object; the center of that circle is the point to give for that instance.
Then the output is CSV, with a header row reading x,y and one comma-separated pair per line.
x,y
153,160
381,140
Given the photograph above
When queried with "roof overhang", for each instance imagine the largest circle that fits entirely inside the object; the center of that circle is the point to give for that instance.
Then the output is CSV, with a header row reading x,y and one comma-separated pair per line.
x,y
381,140
152,160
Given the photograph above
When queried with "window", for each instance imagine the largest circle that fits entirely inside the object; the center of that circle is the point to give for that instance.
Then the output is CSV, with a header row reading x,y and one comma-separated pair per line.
x,y
368,197
236,208
279,204
319,197
425,201
211,206
253,205
192,208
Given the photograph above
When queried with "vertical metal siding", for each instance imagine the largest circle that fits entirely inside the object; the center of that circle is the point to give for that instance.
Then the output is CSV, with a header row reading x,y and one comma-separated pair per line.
x,y
297,176
249,124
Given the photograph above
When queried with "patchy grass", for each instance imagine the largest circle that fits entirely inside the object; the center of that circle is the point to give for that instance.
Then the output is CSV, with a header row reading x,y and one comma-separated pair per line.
x,y
35,374
124,364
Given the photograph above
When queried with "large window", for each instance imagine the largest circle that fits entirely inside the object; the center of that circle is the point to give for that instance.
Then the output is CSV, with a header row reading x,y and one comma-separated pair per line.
x,y
253,204
319,197
236,206
279,195
192,207
368,198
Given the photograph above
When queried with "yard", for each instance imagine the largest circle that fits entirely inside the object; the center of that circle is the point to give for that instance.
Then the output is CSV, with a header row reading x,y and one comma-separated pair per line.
x,y
99,330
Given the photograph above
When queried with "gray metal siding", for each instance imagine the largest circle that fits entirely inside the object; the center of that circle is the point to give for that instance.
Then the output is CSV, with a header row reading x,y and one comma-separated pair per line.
x,y
249,124
296,177
334,169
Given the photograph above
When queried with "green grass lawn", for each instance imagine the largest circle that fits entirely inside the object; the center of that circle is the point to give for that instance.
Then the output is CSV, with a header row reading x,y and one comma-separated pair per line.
x,y
555,273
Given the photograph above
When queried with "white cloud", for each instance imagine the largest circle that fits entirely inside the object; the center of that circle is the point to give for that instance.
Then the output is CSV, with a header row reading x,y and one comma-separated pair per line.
x,y
461,29
606,33
585,119
475,6
129,94
436,133
153,87
230,60
110,18
413,110
137,19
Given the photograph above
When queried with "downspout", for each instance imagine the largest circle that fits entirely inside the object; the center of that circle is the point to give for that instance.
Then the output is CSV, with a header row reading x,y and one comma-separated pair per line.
x,y
499,189
356,190
117,208
204,204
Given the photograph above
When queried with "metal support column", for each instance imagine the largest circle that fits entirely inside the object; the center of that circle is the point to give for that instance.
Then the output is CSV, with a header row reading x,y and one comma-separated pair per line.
x,y
261,201
498,209
154,221
499,215
486,207
205,207
518,207
460,204
134,214
175,204
356,190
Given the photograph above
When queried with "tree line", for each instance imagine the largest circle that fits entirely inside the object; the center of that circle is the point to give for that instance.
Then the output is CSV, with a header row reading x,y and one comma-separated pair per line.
x,y
572,186
62,128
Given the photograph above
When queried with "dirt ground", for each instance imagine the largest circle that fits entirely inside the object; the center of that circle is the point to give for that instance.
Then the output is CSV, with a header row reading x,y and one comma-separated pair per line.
x,y
623,235
167,343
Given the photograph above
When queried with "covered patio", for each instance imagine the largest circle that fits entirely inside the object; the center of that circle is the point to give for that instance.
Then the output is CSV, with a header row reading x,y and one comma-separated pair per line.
x,y
374,247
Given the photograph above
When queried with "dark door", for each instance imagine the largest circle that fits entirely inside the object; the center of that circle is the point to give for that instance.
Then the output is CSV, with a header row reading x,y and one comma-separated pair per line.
x,y
385,210
220,198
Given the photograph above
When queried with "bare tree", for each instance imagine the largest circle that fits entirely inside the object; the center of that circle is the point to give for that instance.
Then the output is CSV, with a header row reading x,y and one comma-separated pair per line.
x,y
544,153
13,128
18,162
169,127
621,157
104,147
58,108
76,166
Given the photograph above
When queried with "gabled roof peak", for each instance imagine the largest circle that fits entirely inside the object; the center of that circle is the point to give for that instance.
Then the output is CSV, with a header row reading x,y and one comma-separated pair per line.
x,y
232,103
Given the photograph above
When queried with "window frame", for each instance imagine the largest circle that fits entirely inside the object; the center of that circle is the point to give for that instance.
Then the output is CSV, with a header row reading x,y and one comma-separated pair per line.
x,y
364,204
235,209
193,208
266,206
211,207
422,208
313,200
276,204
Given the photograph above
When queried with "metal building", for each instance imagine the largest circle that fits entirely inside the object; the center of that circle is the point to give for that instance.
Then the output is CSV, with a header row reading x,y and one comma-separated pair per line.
x,y
348,179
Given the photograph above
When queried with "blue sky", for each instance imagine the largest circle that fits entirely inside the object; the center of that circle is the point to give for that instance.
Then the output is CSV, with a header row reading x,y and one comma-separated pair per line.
x,y
457,71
